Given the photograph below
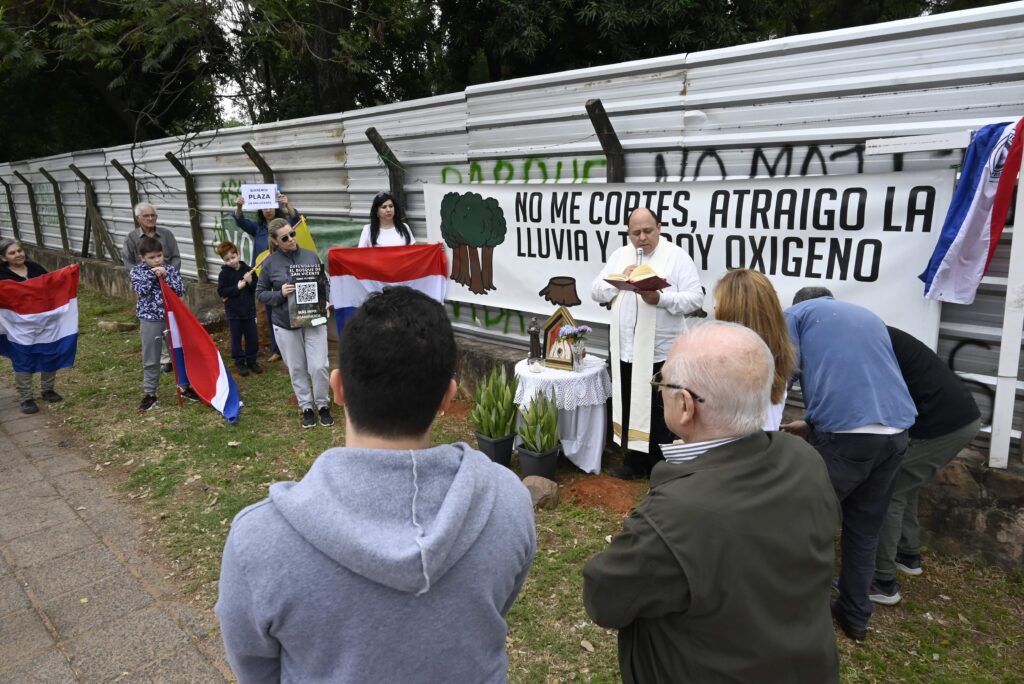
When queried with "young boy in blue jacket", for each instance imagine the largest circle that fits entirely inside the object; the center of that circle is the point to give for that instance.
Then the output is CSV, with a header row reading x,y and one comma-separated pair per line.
x,y
237,285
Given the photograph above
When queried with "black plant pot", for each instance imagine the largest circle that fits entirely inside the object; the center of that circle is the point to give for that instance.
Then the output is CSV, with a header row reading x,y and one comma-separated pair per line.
x,y
498,450
541,464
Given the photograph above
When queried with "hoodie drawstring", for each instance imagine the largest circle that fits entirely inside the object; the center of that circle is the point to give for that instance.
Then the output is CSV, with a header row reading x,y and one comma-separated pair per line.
x,y
419,528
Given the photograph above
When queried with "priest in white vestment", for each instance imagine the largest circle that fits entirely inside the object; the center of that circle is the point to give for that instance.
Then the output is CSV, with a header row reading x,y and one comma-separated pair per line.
x,y
643,328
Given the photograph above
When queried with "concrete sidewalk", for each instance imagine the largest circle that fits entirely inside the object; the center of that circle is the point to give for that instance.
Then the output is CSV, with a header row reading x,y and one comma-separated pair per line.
x,y
79,602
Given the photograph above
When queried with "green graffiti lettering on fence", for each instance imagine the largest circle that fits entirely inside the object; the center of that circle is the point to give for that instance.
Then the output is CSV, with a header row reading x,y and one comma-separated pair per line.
x,y
229,190
492,318
526,170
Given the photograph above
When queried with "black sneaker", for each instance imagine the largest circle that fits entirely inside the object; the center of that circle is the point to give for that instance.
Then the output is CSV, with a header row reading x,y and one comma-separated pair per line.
x,y
885,593
29,406
255,367
909,564
148,402
51,396
242,369
326,419
853,632
167,367
308,419
190,394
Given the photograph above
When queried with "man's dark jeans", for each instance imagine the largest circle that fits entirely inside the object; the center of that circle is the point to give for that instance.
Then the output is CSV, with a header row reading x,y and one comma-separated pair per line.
x,y
862,468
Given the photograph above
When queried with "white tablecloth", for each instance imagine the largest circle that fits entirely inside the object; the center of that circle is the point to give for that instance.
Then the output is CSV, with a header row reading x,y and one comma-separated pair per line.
x,y
581,401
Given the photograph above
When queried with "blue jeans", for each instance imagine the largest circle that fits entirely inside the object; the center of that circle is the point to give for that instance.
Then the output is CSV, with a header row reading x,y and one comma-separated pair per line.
x,y
862,468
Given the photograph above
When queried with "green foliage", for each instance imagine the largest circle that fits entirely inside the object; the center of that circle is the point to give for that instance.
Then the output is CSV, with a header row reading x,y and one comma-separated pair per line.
x,y
539,430
494,411
469,219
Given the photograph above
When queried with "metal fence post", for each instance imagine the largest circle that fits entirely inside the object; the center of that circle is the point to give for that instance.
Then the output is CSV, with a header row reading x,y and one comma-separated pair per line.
x,y
396,174
133,189
11,210
95,220
199,247
609,140
58,204
32,207
260,162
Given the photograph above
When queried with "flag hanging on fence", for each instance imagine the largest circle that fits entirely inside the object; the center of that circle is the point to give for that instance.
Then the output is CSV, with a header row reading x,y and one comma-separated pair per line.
x,y
976,215
39,321
197,361
355,273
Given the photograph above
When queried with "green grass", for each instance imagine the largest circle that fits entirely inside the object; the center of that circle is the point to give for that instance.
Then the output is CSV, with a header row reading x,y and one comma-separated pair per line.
x,y
188,472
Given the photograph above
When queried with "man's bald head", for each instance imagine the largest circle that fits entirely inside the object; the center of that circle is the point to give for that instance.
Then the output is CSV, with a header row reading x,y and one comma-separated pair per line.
x,y
644,229
730,367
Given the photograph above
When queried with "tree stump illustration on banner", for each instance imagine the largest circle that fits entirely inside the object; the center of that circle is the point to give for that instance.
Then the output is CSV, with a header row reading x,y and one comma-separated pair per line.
x,y
561,290
470,223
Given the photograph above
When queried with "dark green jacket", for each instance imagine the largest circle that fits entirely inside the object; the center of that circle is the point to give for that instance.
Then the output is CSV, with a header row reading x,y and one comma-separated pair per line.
x,y
723,572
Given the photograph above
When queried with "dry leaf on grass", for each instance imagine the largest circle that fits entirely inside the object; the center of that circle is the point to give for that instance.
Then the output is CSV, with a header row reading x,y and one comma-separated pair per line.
x,y
587,646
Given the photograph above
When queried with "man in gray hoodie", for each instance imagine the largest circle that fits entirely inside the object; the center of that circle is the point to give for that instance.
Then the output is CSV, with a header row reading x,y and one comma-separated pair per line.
x,y
392,560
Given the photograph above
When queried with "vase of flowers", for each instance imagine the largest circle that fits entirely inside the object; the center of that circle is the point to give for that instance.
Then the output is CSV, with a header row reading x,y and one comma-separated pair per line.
x,y
576,336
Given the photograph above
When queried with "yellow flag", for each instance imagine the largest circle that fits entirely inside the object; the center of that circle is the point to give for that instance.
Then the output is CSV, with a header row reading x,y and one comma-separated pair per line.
x,y
302,236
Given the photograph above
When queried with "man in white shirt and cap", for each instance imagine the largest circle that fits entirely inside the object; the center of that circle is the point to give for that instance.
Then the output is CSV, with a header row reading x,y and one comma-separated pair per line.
x,y
643,327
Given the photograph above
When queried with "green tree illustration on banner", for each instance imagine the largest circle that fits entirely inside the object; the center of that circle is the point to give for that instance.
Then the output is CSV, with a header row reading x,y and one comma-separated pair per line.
x,y
470,223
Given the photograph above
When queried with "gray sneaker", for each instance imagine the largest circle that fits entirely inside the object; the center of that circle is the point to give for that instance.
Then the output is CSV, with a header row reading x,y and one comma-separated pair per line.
x,y
908,564
885,593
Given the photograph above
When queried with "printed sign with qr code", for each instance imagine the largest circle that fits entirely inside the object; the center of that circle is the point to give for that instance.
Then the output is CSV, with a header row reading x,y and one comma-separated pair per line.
x,y
305,293
307,305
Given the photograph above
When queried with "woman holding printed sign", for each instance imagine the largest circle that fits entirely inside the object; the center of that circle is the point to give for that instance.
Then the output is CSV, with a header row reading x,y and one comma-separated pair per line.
x,y
258,231
303,347
385,229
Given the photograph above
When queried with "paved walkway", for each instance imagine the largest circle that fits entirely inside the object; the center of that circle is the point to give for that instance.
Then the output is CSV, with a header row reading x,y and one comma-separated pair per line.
x,y
79,602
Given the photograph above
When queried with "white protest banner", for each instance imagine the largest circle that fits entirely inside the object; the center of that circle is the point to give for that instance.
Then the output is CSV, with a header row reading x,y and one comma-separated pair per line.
x,y
257,197
865,237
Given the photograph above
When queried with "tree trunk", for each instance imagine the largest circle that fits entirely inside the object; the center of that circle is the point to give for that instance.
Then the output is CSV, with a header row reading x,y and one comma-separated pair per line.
x,y
457,264
489,268
476,281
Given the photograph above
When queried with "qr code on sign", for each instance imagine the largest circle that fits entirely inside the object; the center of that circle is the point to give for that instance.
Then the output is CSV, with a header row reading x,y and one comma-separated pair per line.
x,y
305,293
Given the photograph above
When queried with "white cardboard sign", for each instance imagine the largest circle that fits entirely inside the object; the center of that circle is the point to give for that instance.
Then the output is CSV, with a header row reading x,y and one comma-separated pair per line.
x,y
256,197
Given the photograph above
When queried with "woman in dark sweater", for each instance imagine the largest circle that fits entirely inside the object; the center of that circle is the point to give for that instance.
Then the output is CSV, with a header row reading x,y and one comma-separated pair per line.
x,y
17,267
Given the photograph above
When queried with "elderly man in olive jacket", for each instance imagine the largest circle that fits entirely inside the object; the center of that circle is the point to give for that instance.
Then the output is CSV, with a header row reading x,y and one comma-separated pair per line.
x,y
723,573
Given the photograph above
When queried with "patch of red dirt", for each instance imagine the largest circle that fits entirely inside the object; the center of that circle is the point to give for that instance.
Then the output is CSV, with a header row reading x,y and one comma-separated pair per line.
x,y
609,493
459,409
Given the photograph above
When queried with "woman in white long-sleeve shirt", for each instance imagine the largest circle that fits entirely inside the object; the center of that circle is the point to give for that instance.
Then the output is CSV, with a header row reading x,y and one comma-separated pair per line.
x,y
385,229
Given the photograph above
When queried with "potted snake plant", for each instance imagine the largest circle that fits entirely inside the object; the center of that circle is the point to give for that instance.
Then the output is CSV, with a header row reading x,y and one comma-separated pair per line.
x,y
494,415
538,434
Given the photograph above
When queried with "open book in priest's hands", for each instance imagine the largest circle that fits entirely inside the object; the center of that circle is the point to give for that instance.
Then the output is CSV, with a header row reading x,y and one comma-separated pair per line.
x,y
643,278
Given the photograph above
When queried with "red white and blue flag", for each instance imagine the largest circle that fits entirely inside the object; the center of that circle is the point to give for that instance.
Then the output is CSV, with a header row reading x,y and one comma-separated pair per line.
x,y
39,321
197,361
356,273
976,215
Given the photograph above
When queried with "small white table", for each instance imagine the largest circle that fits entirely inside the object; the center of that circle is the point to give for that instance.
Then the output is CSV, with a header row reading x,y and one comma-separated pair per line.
x,y
580,397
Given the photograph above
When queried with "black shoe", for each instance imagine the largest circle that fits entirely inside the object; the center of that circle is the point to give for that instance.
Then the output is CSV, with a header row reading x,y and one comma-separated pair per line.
x,y
242,369
167,367
853,632
325,416
29,406
148,402
255,367
308,419
909,564
190,394
627,473
51,396
885,593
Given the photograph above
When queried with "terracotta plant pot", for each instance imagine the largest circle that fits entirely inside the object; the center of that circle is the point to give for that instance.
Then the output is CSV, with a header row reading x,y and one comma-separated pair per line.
x,y
498,450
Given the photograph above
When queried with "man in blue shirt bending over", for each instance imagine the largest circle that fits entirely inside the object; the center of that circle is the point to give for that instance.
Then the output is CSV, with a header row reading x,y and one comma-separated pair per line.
x,y
858,413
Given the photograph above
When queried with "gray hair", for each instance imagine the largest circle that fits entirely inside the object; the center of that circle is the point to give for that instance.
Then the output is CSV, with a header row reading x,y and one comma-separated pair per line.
x,y
811,292
141,205
731,367
5,244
